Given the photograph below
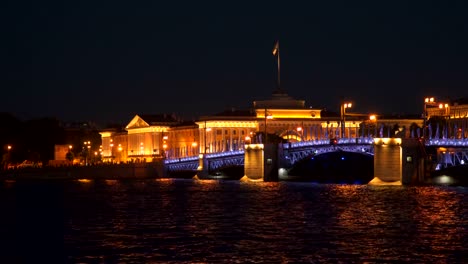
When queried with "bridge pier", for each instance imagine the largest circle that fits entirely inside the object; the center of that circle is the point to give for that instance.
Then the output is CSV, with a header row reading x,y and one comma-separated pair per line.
x,y
203,167
398,161
261,162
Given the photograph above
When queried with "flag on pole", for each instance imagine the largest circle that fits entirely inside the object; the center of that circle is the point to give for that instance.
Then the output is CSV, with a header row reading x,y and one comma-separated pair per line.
x,y
276,48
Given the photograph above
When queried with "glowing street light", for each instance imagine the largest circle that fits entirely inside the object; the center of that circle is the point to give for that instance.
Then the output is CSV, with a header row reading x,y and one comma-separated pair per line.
x,y
343,108
300,132
268,116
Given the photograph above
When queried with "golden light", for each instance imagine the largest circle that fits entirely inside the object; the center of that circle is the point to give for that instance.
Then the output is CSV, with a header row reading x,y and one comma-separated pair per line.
x,y
165,137
429,99
95,153
372,118
299,129
164,146
247,138
387,141
194,144
269,117
9,147
443,106
70,147
208,129
84,180
348,105
254,146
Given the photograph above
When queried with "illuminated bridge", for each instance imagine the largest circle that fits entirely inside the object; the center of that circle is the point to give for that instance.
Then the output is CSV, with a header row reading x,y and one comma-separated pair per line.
x,y
446,153
291,153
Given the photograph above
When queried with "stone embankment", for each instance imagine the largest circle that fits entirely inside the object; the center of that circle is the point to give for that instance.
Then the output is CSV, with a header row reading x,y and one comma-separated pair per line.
x,y
103,171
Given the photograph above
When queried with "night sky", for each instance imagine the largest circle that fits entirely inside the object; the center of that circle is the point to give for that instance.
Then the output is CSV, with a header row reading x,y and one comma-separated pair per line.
x,y
106,61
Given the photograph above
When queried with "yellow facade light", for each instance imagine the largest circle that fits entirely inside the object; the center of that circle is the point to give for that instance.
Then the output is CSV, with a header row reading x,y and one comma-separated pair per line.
x,y
387,141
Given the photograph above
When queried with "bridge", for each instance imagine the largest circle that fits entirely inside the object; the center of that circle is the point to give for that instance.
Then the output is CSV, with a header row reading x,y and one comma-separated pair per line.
x,y
443,153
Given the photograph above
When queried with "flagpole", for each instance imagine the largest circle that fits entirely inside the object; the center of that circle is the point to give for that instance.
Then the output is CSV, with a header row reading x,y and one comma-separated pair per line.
x,y
277,55
279,75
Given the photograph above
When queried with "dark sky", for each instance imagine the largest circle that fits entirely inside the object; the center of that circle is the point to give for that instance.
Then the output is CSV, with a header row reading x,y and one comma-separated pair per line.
x,y
108,60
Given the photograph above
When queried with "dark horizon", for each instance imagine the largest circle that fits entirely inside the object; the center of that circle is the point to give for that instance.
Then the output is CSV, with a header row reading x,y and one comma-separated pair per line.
x,y
108,61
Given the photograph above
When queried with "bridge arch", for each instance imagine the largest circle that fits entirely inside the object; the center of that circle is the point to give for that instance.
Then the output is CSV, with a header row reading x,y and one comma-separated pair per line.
x,y
333,167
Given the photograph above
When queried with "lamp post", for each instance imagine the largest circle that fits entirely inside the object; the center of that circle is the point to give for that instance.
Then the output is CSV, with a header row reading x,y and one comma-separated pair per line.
x,y
86,149
299,131
267,116
427,101
8,156
343,108
446,114
120,152
194,147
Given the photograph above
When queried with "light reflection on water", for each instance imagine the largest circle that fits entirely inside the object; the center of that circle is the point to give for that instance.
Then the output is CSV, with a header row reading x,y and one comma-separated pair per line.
x,y
168,220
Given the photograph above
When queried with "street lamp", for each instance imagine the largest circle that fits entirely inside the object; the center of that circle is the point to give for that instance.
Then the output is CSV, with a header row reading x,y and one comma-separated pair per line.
x,y
86,149
267,116
299,131
194,145
427,101
343,108
8,155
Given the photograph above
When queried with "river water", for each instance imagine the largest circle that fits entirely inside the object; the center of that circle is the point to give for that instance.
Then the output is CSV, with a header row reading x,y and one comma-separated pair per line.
x,y
211,221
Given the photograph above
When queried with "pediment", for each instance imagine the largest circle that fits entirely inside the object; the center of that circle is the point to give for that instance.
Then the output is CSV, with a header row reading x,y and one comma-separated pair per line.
x,y
137,122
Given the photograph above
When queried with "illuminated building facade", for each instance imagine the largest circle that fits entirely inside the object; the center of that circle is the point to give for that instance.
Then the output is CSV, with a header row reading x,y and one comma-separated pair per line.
x,y
226,131
455,114
181,140
148,137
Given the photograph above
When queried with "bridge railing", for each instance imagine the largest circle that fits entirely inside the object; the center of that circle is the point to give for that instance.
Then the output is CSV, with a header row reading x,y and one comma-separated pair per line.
x,y
321,142
448,142
208,155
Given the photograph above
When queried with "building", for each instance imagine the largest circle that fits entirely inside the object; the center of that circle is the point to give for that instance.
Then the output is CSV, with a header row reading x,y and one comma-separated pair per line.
x,y
277,119
451,114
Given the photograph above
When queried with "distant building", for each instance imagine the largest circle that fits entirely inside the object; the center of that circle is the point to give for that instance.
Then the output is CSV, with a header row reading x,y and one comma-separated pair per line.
x,y
148,137
454,114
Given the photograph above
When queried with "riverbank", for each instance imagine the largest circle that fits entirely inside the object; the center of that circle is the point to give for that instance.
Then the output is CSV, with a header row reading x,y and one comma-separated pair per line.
x,y
104,171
